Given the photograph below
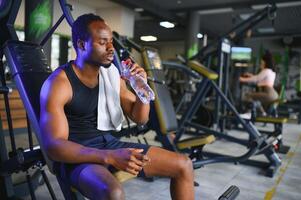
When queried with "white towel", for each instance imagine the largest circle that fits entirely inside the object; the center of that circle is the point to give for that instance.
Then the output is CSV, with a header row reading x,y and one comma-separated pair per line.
x,y
110,115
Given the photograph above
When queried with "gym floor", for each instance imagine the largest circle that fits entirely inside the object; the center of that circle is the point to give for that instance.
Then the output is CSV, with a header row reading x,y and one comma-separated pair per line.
x,y
214,179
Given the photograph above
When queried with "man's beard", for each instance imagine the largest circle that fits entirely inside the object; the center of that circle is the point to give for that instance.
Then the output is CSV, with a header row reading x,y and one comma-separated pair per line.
x,y
105,65
99,64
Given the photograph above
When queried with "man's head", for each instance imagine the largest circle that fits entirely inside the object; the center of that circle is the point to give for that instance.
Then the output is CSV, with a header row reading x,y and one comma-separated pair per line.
x,y
92,40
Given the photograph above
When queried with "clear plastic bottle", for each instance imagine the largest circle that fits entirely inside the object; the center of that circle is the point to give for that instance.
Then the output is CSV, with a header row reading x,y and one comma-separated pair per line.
x,y
139,85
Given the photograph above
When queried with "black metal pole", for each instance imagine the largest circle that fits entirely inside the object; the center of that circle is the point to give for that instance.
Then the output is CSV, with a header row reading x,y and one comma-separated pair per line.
x,y
30,187
48,184
270,8
29,133
51,31
7,107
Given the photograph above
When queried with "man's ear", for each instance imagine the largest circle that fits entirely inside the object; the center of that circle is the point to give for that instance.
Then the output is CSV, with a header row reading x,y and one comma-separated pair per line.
x,y
81,44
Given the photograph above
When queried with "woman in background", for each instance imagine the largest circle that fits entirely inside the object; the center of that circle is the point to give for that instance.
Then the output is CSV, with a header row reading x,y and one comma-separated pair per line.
x,y
265,82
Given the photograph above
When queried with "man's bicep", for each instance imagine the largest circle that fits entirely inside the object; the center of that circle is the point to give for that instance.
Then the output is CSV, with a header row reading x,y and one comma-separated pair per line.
x,y
53,121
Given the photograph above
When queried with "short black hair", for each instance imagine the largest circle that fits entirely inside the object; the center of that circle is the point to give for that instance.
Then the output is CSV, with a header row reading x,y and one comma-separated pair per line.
x,y
269,60
80,27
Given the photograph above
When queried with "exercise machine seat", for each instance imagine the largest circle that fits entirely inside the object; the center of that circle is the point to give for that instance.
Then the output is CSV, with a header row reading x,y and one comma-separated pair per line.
x,y
195,142
273,120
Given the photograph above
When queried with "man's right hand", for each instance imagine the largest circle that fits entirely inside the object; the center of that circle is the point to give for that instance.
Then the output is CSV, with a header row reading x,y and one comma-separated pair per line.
x,y
128,159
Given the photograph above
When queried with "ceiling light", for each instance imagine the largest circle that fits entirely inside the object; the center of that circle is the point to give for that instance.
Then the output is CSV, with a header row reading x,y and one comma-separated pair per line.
x,y
279,5
199,35
266,30
139,9
259,7
288,4
148,38
245,16
167,24
215,11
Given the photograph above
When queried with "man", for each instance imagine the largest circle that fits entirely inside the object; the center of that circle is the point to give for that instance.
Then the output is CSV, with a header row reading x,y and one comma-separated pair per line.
x,y
68,120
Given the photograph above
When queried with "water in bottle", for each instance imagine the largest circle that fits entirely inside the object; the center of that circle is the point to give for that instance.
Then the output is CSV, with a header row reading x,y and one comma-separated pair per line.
x,y
139,85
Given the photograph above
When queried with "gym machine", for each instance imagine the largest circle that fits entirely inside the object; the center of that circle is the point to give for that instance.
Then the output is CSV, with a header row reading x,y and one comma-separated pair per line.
x,y
24,164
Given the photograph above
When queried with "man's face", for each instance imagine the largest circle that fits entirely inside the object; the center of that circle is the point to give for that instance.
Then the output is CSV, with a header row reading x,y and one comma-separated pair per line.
x,y
99,47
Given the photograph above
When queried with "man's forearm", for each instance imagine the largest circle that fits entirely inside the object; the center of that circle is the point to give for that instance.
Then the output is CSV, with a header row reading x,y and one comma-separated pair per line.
x,y
62,150
140,112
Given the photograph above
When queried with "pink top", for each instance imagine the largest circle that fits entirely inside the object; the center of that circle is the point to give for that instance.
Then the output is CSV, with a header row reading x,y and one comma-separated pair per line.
x,y
265,78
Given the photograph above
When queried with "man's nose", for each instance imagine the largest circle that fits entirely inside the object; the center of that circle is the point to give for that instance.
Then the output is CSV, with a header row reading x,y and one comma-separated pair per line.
x,y
110,46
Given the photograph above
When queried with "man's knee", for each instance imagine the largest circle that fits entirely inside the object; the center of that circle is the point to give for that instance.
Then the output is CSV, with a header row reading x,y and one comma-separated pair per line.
x,y
184,165
116,193
111,193
96,182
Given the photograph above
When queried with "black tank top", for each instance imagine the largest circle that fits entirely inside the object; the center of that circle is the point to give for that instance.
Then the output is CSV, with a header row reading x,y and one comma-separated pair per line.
x,y
81,111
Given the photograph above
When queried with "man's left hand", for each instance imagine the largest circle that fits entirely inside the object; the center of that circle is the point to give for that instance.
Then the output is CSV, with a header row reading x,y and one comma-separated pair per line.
x,y
136,69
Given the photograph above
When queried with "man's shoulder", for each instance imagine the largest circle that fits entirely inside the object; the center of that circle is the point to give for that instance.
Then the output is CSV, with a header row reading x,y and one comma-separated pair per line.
x,y
57,79
58,75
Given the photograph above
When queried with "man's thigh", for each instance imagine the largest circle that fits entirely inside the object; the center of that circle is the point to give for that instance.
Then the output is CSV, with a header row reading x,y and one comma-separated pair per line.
x,y
91,179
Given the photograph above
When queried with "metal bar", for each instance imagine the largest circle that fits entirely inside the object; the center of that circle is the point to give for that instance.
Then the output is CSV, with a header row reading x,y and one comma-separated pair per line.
x,y
6,184
51,31
259,13
67,8
7,107
220,82
196,100
224,158
133,44
29,132
30,187
248,127
199,54
207,130
48,185
191,109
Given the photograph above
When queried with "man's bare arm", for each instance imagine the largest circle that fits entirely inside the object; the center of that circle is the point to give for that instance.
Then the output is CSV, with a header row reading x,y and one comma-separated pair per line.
x,y
55,93
132,106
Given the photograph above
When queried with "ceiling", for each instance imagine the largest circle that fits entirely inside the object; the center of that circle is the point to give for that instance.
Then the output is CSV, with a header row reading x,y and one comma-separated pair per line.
x,y
225,14
216,16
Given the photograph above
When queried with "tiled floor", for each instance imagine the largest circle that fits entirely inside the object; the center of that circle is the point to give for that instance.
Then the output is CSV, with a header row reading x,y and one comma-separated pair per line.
x,y
216,178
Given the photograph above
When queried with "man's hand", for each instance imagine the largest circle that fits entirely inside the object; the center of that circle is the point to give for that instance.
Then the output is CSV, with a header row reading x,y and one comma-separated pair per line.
x,y
128,159
136,69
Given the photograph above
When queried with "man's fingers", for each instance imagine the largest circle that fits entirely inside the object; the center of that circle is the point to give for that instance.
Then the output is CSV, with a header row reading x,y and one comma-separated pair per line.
x,y
134,166
136,150
146,158
131,171
137,161
142,158
137,71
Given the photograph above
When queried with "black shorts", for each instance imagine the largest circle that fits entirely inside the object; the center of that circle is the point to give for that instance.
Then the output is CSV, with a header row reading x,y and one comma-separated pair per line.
x,y
69,173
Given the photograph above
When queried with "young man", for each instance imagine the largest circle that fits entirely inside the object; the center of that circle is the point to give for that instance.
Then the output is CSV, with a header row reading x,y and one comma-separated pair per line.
x,y
70,122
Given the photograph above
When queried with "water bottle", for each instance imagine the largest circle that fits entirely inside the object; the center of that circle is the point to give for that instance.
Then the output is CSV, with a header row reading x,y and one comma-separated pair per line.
x,y
139,85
